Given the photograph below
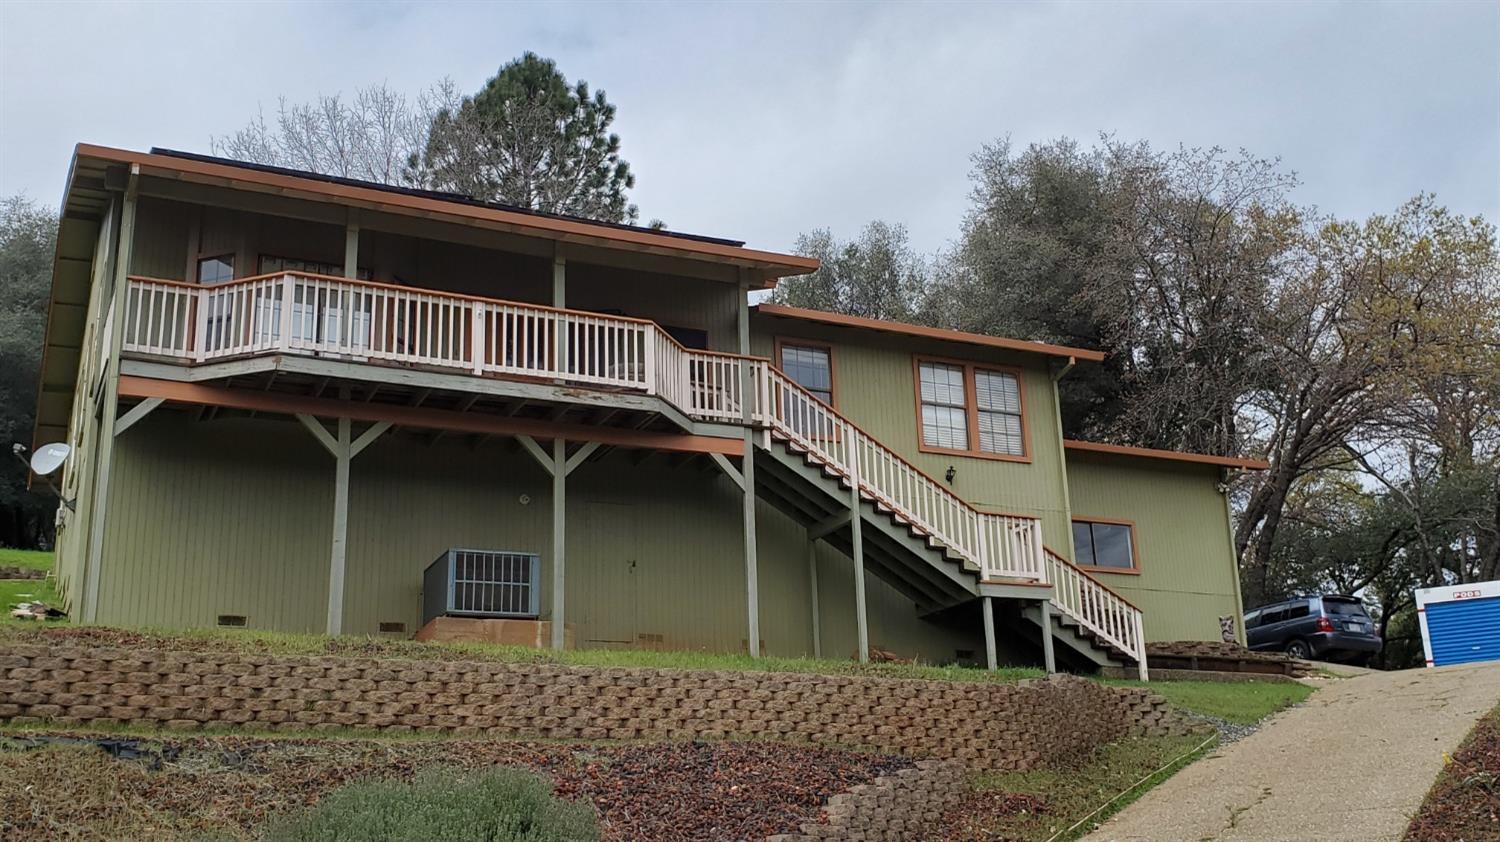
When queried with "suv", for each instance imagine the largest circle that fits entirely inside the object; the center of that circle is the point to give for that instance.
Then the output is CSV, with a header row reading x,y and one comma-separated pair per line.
x,y
1332,627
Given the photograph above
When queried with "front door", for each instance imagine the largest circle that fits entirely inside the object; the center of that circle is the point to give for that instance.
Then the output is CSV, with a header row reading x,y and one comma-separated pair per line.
x,y
602,574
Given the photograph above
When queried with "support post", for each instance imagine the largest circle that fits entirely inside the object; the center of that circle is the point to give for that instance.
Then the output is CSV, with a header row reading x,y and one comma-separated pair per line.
x,y
559,537
351,245
340,529
861,618
560,300
812,587
1049,657
114,317
747,474
1140,655
991,659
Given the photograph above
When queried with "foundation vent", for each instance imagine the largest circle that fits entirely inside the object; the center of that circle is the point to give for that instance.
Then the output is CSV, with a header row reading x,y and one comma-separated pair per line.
x,y
232,620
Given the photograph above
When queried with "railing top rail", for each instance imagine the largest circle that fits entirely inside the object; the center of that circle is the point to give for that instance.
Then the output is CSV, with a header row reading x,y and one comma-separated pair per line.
x,y
648,323
1085,574
795,386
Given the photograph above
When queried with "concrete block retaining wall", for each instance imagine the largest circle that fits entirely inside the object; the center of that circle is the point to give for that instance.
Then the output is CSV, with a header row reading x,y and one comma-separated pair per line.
x,y
895,807
984,726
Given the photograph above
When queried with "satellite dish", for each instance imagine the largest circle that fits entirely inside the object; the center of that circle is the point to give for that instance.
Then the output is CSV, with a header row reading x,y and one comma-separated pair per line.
x,y
49,458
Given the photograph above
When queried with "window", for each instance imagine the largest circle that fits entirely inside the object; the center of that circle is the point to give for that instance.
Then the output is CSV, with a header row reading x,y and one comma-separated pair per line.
x,y
270,264
1104,544
1252,620
1272,617
1301,609
809,366
972,410
212,270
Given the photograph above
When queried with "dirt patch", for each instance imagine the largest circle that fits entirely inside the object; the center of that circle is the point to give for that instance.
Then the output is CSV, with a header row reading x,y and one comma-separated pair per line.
x,y
1464,804
978,815
7,572
183,787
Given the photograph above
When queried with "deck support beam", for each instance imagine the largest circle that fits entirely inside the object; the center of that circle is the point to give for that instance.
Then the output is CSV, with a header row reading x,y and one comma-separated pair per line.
x,y
747,473
124,234
351,245
857,547
343,447
991,659
136,413
559,538
1049,657
812,589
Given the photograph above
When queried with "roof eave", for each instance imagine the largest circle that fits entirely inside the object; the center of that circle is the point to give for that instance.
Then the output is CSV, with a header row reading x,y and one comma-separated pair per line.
x,y
1235,462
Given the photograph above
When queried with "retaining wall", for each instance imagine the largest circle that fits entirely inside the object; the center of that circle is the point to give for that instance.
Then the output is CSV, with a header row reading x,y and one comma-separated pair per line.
x,y
986,726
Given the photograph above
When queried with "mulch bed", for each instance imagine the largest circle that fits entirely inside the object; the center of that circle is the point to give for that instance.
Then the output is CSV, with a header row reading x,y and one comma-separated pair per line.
x,y
1464,804
646,792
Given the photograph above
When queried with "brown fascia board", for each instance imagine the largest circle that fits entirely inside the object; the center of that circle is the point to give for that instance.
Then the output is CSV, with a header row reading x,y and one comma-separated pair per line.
x,y
1168,455
978,339
770,265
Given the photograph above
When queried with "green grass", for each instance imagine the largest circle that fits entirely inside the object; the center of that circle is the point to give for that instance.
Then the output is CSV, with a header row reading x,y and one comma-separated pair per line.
x,y
13,591
28,559
281,643
1066,796
1243,702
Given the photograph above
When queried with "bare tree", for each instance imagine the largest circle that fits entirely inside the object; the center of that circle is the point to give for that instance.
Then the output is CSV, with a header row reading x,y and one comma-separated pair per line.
x,y
372,136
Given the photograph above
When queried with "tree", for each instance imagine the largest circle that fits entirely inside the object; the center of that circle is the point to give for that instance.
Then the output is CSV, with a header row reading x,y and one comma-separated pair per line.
x,y
529,139
1350,332
1035,236
27,242
876,275
372,136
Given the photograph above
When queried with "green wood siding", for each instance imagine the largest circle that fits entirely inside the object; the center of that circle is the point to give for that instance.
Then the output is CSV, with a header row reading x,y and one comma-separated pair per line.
x,y
1187,568
234,516
876,389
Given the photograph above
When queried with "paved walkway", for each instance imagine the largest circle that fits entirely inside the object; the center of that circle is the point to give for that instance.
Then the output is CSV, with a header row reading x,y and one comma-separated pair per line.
x,y
1352,763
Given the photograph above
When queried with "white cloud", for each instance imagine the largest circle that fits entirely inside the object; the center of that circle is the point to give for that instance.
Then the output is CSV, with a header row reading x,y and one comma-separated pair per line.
x,y
762,120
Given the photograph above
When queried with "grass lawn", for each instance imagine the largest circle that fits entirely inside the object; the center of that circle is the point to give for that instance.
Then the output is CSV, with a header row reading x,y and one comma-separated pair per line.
x,y
13,591
28,559
279,643
1040,805
1243,702
1464,803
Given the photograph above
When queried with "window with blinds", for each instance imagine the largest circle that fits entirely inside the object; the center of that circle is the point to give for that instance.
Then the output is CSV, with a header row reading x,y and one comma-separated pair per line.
x,y
969,409
811,367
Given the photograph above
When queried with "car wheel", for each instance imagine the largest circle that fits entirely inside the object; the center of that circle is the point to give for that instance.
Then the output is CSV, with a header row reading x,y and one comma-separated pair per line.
x,y
1299,649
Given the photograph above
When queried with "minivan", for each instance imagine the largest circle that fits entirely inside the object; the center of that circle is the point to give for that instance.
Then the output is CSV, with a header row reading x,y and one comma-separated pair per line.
x,y
1333,627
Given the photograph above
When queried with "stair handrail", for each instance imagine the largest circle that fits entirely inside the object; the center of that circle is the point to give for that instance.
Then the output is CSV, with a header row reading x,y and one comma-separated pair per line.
x,y
998,545
1098,608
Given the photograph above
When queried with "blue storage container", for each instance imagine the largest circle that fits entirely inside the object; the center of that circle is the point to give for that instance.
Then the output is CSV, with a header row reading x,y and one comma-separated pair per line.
x,y
1460,623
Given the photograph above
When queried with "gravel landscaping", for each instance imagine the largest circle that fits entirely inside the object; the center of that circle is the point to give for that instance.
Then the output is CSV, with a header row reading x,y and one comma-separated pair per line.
x,y
182,788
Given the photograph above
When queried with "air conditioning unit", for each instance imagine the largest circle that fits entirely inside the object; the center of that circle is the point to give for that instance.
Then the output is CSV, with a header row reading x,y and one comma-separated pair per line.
x,y
481,583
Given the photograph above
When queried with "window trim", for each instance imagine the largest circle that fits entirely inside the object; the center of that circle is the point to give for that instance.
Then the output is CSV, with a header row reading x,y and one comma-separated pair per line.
x,y
971,408
227,257
1135,552
799,342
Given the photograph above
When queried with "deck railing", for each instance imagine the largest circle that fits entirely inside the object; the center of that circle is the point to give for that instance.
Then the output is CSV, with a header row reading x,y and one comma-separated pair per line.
x,y
1097,608
313,314
997,546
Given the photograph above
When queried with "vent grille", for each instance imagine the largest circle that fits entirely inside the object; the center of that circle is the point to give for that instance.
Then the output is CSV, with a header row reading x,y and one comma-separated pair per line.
x,y
232,620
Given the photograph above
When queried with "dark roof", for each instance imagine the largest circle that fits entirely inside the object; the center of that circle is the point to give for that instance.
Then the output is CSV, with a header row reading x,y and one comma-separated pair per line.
x,y
438,195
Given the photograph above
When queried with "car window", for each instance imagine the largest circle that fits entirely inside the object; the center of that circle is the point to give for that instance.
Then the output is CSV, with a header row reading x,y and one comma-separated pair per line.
x,y
1301,609
1343,607
1252,619
1275,616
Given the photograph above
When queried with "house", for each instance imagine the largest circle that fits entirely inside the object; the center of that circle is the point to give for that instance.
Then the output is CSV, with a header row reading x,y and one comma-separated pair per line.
x,y
311,404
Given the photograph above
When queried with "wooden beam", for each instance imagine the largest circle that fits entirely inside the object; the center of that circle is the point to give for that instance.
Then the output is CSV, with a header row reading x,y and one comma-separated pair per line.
x,y
559,539
136,413
579,455
541,456
812,586
319,432
730,470
336,563
1049,658
423,417
987,605
368,437
828,525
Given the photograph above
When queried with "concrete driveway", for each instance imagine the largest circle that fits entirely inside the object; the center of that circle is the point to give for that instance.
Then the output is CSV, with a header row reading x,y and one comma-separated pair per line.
x,y
1352,763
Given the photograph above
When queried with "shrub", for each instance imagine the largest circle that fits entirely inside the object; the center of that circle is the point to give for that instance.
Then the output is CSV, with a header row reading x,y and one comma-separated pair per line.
x,y
499,805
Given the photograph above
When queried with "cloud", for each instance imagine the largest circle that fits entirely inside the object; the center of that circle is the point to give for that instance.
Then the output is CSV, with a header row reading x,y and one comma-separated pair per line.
x,y
760,121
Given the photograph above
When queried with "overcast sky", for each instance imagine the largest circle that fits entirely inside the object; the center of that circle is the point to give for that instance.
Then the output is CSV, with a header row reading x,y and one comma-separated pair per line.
x,y
759,121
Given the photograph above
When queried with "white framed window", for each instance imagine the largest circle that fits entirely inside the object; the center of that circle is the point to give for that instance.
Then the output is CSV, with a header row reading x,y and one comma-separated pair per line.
x,y
970,409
